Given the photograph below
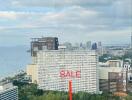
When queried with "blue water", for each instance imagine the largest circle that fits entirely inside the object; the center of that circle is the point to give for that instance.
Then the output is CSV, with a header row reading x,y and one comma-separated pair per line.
x,y
13,59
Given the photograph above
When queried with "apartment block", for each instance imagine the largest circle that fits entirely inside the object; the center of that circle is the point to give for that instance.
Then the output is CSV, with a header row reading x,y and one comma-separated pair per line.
x,y
57,67
8,92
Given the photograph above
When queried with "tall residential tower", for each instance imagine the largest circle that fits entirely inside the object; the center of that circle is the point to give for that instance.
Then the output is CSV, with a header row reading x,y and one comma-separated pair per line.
x,y
52,69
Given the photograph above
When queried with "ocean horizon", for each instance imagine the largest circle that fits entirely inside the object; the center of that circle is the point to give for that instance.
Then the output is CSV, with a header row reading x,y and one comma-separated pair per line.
x,y
13,59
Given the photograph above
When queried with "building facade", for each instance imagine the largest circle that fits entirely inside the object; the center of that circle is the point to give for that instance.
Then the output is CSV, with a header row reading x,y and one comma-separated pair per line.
x,y
57,67
111,79
31,71
49,43
8,92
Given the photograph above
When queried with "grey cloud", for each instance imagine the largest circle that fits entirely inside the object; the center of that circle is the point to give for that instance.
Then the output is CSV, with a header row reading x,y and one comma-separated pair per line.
x,y
61,3
81,18
72,18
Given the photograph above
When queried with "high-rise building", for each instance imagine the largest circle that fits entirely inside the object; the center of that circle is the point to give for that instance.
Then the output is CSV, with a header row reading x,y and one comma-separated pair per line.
x,y
99,44
68,45
8,92
56,67
49,43
100,48
88,45
52,68
94,46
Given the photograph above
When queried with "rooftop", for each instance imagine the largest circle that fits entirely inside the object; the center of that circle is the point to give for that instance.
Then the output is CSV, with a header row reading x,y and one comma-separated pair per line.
x,y
4,87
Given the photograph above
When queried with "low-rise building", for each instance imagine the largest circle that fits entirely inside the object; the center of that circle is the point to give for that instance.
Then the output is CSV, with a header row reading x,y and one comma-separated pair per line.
x,y
113,76
115,63
31,71
8,92
111,79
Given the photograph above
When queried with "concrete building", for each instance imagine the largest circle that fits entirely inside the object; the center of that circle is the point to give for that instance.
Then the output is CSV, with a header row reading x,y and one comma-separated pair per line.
x,y
94,46
32,72
88,45
49,43
68,45
113,76
8,92
111,79
100,49
127,67
57,67
112,63
115,63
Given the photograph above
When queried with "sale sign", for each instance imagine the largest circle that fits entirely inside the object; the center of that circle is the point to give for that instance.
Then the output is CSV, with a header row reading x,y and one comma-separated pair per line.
x,y
70,74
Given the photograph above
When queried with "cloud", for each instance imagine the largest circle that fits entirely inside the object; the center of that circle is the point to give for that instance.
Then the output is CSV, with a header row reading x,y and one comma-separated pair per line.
x,y
18,14
8,15
69,17
60,3
72,18
74,15
123,8
80,18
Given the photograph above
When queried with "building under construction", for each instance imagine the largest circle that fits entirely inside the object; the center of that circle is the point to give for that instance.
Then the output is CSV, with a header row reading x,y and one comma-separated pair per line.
x,y
44,43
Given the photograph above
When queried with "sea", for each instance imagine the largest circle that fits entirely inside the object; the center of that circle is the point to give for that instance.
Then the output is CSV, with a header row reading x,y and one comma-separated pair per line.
x,y
13,59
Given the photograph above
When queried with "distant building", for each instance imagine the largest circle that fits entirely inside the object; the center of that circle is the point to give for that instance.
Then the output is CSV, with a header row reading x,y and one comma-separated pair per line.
x,y
8,92
100,49
99,44
116,52
94,46
76,45
81,45
68,45
88,45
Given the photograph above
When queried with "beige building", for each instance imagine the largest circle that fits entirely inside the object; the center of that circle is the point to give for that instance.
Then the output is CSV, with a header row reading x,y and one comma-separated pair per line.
x,y
32,72
103,71
112,77
112,63
115,63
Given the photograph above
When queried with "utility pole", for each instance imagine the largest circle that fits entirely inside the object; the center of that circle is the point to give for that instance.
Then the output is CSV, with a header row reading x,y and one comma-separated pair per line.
x,y
70,90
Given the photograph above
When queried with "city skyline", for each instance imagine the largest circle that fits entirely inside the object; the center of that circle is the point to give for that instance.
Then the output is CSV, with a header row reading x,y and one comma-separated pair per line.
x,y
65,49
108,21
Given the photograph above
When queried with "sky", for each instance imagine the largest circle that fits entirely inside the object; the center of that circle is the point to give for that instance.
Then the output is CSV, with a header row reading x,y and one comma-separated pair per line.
x,y
109,21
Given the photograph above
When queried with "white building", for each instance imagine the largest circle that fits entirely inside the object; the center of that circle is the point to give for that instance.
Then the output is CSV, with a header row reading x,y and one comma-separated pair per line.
x,y
56,67
8,92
